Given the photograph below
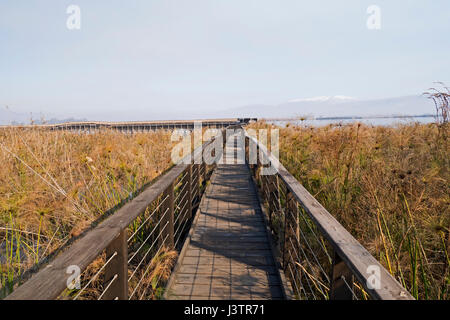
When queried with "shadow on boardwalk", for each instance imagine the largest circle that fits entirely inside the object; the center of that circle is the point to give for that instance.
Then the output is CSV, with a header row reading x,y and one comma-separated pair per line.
x,y
229,255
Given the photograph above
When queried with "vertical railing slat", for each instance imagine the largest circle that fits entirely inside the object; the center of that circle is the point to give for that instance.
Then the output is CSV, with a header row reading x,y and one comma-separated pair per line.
x,y
341,289
117,267
190,190
167,221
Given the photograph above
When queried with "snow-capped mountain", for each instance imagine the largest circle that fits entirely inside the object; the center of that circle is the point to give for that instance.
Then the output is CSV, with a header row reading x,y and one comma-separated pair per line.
x,y
337,106
333,99
322,106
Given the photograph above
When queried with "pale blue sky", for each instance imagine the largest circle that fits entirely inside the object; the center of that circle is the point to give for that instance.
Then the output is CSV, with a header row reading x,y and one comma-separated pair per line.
x,y
153,58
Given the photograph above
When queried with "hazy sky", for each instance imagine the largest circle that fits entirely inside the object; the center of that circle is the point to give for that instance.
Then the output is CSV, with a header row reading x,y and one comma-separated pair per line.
x,y
155,57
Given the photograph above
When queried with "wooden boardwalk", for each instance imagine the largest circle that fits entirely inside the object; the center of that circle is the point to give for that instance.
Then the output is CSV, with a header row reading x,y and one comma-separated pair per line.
x,y
228,253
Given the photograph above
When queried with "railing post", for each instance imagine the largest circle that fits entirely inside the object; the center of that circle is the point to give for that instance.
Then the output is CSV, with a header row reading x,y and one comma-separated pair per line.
x,y
116,272
252,166
341,280
203,166
246,150
273,194
284,239
205,172
291,252
292,208
197,180
184,213
258,163
224,145
189,215
166,224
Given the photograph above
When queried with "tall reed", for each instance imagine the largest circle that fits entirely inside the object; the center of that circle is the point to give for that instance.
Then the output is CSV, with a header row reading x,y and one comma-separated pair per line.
x,y
53,185
389,186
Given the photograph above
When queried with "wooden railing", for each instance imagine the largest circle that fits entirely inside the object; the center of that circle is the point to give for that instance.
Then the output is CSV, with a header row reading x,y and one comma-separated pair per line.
x,y
321,259
132,126
123,256
126,255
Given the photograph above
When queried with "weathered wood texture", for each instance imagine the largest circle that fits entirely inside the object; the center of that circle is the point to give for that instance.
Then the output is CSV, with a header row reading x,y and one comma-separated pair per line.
x,y
351,253
51,280
116,272
132,126
229,255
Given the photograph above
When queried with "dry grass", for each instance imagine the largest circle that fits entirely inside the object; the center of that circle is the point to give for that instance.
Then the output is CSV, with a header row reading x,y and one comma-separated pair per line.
x,y
147,284
389,186
53,185
155,274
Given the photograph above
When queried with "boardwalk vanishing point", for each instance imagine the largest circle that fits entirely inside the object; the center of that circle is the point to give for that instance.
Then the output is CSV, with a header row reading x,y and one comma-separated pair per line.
x,y
237,234
228,253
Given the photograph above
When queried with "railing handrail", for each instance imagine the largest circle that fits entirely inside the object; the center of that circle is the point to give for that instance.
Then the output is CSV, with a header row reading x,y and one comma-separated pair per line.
x,y
49,282
355,256
109,124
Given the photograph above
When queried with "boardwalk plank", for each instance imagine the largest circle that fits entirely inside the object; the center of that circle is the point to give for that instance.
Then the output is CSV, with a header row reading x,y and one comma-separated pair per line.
x,y
229,255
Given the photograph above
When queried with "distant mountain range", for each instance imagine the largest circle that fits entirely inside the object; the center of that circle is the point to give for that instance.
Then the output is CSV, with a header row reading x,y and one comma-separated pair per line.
x,y
8,117
315,107
336,106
